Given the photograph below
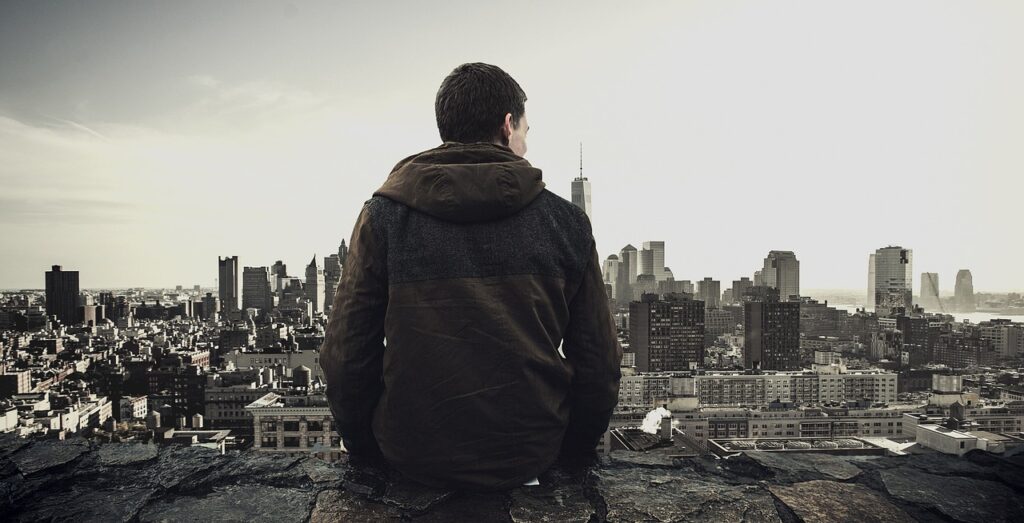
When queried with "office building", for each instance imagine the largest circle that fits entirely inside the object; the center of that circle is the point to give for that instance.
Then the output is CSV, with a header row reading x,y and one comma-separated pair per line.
x,y
227,283
782,271
771,337
278,272
315,286
667,334
612,266
652,260
893,279
332,276
832,384
963,292
739,288
256,292
295,426
709,291
628,270
62,295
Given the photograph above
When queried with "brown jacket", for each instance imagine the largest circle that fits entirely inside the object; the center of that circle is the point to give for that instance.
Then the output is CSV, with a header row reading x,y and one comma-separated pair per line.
x,y
474,274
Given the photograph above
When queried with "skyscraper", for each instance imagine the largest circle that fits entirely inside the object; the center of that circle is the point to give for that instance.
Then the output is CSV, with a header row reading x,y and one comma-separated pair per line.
x,y
227,283
256,293
315,286
581,189
930,290
652,260
332,275
963,292
667,334
894,279
771,331
739,287
782,271
342,253
278,272
709,291
611,274
62,295
628,267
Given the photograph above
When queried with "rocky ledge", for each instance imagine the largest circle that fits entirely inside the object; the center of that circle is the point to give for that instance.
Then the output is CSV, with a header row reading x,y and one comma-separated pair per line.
x,y
74,480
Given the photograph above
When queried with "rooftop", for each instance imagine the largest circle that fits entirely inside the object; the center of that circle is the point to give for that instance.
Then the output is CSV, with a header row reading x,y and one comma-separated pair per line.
x,y
73,479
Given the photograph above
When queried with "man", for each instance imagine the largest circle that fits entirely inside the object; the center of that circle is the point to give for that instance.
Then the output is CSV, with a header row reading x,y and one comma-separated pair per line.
x,y
474,274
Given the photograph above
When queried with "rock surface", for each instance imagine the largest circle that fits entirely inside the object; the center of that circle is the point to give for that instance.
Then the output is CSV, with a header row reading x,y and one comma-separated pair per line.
x,y
46,480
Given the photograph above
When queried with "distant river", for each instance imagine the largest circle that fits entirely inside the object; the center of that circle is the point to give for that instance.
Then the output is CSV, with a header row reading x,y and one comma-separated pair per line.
x,y
973,317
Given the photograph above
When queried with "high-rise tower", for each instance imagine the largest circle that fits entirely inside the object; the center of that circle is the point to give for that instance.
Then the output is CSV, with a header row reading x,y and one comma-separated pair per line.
x,y
628,270
227,282
963,292
581,189
256,291
342,253
332,275
771,331
315,286
894,279
62,295
611,274
782,271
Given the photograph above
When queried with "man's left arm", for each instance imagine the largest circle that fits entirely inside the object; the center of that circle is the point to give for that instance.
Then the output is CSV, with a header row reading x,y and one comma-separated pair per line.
x,y
353,349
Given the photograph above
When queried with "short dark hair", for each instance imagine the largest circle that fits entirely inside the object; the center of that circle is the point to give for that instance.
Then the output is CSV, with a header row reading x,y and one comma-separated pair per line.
x,y
473,100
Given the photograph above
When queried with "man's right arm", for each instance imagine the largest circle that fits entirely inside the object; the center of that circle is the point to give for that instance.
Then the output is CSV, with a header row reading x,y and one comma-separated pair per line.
x,y
592,348
353,349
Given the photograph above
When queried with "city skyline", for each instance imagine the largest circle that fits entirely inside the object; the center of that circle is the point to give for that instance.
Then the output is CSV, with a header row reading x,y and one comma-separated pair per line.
x,y
137,164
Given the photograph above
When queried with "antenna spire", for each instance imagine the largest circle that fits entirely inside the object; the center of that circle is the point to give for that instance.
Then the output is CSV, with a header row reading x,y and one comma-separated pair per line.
x,y
581,159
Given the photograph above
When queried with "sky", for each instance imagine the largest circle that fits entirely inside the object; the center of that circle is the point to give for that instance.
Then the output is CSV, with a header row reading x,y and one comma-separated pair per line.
x,y
139,141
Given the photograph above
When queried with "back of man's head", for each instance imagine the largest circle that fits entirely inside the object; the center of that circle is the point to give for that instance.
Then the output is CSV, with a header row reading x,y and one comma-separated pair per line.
x,y
472,103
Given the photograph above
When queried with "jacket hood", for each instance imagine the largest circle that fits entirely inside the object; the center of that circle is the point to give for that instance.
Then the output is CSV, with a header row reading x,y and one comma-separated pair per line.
x,y
464,183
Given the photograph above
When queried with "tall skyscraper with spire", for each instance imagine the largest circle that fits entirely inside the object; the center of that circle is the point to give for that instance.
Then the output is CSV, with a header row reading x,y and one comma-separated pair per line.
x,y
315,286
342,253
581,189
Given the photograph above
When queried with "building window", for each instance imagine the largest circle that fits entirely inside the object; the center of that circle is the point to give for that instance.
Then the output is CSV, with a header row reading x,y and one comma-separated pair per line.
x,y
291,426
268,441
291,442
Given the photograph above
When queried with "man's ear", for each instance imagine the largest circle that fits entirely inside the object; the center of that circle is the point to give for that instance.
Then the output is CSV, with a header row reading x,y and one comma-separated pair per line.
x,y
506,128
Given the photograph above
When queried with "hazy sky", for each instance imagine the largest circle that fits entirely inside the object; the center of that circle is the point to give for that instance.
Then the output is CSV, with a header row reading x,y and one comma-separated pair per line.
x,y
140,140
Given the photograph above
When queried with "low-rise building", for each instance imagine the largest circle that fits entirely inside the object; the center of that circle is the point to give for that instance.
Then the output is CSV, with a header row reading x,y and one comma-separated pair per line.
x,y
295,425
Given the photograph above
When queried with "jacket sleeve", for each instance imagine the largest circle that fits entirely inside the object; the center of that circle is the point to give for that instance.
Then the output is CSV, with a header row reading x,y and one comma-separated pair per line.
x,y
353,349
592,348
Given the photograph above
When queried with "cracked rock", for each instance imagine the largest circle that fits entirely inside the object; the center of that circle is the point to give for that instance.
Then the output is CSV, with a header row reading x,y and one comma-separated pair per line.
x,y
666,495
825,501
47,454
963,499
120,454
340,505
248,503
